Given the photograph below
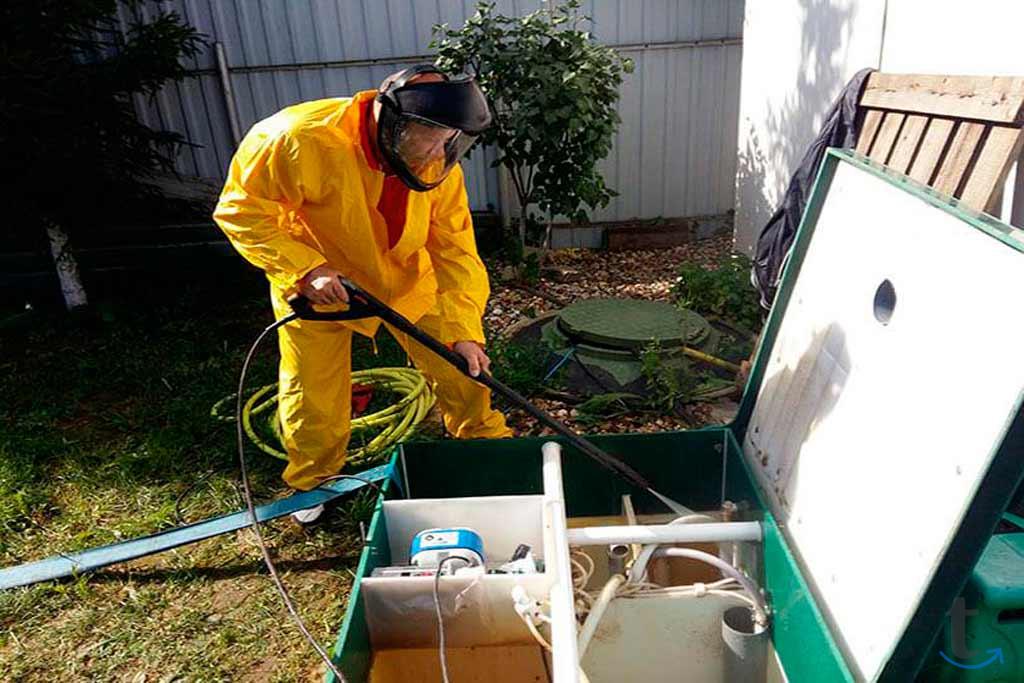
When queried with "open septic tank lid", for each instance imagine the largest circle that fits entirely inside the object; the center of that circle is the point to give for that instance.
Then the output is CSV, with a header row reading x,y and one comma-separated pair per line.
x,y
885,445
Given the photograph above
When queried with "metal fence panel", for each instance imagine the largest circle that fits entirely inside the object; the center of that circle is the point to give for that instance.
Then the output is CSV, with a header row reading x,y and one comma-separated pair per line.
x,y
674,155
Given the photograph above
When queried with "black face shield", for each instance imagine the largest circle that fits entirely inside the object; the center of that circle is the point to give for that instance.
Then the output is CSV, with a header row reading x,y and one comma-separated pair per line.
x,y
423,129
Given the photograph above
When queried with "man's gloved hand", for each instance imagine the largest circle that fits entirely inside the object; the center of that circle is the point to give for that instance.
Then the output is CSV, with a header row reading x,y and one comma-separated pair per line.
x,y
474,355
322,285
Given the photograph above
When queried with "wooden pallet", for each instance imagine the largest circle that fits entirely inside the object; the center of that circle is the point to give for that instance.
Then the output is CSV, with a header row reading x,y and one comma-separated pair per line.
x,y
956,134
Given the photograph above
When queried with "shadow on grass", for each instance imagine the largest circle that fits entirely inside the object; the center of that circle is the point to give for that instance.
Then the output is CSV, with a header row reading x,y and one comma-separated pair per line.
x,y
105,422
326,563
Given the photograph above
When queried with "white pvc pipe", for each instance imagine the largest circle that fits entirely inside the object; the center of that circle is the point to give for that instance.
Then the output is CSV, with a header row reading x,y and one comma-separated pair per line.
x,y
597,611
639,568
229,92
711,532
564,666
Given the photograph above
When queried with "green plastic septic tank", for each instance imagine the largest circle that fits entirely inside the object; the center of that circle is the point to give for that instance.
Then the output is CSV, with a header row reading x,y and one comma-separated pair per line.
x,y
982,640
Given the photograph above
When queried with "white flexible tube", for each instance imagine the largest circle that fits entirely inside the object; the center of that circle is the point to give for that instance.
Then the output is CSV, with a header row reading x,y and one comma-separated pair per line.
x,y
536,634
760,609
639,569
544,643
596,612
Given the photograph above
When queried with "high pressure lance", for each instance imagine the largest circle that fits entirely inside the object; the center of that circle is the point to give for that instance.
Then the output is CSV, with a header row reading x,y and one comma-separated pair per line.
x,y
362,304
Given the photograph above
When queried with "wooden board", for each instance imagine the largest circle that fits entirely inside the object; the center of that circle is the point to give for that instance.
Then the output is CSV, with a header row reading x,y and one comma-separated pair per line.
x,y
909,139
1001,149
868,131
887,134
958,157
957,134
935,140
995,99
519,664
626,237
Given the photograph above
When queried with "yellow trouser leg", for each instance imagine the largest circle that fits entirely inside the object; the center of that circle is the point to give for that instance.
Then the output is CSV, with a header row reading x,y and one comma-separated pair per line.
x,y
466,405
315,399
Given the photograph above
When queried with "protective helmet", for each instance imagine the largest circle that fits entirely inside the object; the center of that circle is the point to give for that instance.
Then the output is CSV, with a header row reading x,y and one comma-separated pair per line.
x,y
424,128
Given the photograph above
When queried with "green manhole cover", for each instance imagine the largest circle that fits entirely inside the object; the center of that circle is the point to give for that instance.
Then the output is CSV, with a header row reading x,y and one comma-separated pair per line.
x,y
631,323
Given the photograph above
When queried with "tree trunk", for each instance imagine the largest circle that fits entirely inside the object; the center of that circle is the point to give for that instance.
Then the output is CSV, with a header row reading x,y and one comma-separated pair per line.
x,y
67,267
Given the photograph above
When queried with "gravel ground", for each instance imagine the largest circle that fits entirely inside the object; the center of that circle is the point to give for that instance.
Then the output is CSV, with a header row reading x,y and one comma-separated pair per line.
x,y
592,274
574,274
697,415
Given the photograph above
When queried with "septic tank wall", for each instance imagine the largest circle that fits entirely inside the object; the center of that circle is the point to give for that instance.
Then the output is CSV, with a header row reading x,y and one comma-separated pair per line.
x,y
685,465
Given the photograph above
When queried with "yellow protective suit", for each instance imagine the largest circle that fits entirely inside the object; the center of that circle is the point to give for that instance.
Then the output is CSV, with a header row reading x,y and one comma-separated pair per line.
x,y
303,191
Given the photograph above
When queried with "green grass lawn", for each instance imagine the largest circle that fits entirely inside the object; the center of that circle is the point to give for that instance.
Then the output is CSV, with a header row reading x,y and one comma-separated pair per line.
x,y
105,434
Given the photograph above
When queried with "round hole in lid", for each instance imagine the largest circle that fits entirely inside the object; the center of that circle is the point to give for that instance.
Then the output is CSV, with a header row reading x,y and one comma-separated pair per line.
x,y
885,302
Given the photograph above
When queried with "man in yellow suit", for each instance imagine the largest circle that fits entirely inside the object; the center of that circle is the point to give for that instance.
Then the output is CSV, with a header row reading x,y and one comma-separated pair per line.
x,y
369,188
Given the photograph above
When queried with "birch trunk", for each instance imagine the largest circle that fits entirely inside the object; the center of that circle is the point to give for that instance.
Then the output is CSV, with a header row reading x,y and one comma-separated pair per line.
x,y
67,267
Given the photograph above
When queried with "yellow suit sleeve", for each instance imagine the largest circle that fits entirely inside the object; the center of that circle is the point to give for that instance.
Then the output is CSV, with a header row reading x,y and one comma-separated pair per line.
x,y
462,286
259,208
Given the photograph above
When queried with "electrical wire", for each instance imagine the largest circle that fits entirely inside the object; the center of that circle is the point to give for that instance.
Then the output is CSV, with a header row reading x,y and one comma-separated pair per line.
x,y
536,633
585,573
582,601
562,360
618,587
203,440
440,618
255,524
727,588
636,586
245,409
196,483
542,641
632,589
760,608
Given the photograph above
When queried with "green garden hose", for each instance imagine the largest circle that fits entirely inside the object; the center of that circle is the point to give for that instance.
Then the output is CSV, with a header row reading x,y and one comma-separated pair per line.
x,y
396,422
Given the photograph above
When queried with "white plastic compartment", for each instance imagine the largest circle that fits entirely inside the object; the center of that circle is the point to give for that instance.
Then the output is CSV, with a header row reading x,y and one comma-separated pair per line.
x,y
664,637
485,638
477,610
657,639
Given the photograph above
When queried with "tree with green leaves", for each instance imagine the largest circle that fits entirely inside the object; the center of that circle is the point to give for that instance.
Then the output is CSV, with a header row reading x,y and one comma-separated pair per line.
x,y
554,92
75,154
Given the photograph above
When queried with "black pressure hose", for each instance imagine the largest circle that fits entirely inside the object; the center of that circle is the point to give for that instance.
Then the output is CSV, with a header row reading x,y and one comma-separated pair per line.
x,y
364,305
254,522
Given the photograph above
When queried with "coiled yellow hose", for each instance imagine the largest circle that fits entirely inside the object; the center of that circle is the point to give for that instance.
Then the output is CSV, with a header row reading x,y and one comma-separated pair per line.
x,y
398,421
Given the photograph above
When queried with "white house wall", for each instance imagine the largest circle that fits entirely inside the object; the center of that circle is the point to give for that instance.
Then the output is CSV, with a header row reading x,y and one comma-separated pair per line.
x,y
798,54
